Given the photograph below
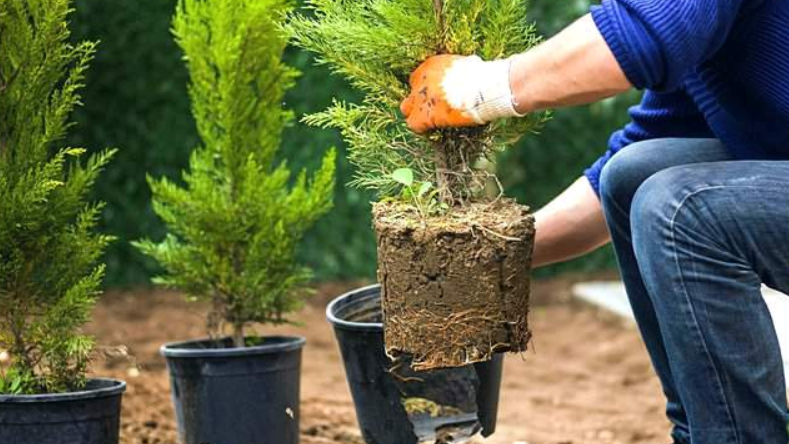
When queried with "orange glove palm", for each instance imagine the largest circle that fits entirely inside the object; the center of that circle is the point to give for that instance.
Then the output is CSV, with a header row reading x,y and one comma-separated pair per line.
x,y
458,91
427,106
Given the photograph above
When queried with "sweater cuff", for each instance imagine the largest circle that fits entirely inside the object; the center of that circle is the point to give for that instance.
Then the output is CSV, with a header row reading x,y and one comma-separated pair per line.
x,y
605,17
593,176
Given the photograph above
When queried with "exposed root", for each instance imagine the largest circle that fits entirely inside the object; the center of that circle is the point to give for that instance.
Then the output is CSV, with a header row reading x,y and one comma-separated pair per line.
x,y
507,238
444,338
497,218
405,379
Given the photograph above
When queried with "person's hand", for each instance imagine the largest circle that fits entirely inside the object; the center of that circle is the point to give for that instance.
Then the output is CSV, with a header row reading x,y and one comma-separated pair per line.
x,y
458,91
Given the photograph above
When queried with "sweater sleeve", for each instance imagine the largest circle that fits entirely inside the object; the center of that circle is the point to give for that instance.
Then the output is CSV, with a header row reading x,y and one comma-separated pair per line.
x,y
659,115
658,42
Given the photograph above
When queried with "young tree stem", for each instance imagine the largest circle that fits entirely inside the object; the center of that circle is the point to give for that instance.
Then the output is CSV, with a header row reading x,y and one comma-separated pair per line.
x,y
19,348
238,336
439,7
443,180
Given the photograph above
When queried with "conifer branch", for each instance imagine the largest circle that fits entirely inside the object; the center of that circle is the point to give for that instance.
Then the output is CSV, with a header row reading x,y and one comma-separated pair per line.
x,y
438,5
376,44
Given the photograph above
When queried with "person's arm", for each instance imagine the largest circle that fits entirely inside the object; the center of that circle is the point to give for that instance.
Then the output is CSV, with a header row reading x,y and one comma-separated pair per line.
x,y
574,67
570,226
647,44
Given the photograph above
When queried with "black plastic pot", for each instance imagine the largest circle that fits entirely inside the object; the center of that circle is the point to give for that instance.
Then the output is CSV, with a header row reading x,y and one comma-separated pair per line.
x,y
91,416
226,395
381,389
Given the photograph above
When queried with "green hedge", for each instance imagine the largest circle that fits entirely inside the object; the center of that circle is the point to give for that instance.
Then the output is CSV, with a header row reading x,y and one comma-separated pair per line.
x,y
136,100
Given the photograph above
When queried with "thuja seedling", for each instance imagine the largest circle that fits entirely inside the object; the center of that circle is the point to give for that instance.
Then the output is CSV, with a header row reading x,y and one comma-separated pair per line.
x,y
50,269
376,45
236,222
453,260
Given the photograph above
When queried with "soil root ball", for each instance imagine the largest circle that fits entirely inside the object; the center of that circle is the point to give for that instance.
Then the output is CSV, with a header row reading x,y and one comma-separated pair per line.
x,y
455,287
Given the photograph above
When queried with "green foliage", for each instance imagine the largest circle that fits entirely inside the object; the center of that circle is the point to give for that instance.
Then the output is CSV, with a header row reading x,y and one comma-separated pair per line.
x,y
135,98
424,196
49,277
376,45
17,381
235,224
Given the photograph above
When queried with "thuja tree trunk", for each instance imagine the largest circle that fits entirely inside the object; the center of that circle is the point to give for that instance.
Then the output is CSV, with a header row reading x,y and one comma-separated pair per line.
x,y
455,288
444,180
238,336
456,178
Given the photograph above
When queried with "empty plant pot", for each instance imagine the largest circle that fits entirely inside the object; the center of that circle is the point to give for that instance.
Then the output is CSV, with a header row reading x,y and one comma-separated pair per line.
x,y
394,404
226,395
90,416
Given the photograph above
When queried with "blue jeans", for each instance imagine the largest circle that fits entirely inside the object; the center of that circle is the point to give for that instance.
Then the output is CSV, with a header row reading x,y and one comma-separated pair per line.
x,y
696,234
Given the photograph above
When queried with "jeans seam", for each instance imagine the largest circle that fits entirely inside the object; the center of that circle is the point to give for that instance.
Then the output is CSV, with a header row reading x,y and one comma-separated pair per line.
x,y
694,318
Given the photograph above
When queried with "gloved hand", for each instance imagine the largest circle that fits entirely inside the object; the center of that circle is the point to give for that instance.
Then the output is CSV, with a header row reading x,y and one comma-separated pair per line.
x,y
458,91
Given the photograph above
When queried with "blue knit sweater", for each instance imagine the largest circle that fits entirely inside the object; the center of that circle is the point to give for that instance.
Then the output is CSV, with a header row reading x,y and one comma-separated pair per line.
x,y
711,68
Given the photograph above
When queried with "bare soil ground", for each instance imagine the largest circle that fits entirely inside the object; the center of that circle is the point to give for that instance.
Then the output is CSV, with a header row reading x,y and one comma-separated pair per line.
x,y
587,379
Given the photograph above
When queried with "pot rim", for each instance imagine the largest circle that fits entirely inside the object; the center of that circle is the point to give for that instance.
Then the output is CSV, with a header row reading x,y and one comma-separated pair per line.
x,y
108,387
179,350
351,325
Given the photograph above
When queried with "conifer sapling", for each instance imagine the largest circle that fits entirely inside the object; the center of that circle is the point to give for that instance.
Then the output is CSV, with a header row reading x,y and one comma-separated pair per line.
x,y
49,252
454,259
235,223
376,45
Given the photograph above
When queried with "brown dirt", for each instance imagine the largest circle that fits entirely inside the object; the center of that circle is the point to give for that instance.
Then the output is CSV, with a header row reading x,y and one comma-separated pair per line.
x,y
455,287
587,380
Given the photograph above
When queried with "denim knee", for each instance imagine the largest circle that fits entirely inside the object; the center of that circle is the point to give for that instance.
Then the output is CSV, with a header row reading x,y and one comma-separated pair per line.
x,y
656,201
669,207
626,171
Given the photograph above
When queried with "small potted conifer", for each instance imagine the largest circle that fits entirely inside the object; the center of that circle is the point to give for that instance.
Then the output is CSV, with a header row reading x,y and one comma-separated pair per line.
x,y
49,253
454,259
234,226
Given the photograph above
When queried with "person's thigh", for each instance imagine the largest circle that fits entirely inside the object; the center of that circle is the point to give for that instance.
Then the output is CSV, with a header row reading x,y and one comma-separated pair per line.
x,y
631,166
740,206
706,236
